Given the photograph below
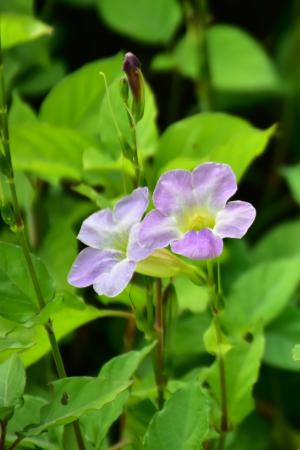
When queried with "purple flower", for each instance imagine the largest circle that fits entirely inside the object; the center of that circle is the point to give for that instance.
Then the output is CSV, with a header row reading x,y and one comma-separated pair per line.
x,y
109,261
192,213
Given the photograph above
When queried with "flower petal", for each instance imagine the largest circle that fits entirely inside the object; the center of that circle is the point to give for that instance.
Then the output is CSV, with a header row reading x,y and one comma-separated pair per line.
x,y
131,208
157,230
115,280
213,185
89,264
135,250
202,244
173,191
235,219
97,230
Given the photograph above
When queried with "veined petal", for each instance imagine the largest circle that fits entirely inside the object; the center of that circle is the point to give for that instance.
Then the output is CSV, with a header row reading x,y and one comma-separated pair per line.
x,y
234,220
98,230
202,244
157,230
173,191
131,208
89,264
213,185
135,250
115,280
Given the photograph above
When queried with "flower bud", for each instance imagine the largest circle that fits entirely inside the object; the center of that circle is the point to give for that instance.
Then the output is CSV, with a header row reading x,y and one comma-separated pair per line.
x,y
132,68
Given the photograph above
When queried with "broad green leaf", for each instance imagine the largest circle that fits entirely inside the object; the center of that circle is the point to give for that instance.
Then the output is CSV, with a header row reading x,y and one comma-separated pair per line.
x,y
216,343
190,296
17,28
146,128
64,321
150,21
120,368
59,246
292,175
12,385
215,137
39,81
7,343
183,423
20,112
281,241
17,296
242,365
260,294
189,334
75,101
76,396
22,418
242,438
49,151
281,336
250,68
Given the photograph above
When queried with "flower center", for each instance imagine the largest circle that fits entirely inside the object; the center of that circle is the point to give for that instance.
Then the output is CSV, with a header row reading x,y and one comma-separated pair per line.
x,y
197,220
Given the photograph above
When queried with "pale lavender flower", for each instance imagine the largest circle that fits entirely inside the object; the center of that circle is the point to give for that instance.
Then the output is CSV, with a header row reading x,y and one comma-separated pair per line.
x,y
192,213
109,261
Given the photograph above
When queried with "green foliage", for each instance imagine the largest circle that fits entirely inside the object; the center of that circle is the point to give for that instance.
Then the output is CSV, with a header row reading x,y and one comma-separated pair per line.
x,y
260,294
12,385
250,68
17,28
183,423
211,137
132,18
239,383
16,286
75,101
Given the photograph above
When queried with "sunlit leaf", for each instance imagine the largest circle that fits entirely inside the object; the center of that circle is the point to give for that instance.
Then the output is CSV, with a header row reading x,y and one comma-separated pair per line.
x,y
183,422
16,29
133,18
12,385
214,137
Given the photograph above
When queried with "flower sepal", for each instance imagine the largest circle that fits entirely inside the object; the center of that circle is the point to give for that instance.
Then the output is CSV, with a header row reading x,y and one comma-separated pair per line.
x,y
164,264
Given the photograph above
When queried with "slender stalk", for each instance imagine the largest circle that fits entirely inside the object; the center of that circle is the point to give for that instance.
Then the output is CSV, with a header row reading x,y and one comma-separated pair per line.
x,y
3,427
216,292
19,224
159,326
15,443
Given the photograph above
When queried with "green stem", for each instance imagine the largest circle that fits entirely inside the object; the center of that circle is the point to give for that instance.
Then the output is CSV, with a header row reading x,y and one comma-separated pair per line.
x,y
216,292
159,326
3,427
15,443
19,223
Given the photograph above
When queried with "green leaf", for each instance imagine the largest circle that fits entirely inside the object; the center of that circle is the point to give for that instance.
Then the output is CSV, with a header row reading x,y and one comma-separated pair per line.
x,y
246,358
21,418
183,423
74,397
250,68
120,368
260,294
215,137
281,242
146,129
281,336
17,295
133,18
190,296
20,112
64,321
16,29
12,385
253,425
49,151
75,101
292,175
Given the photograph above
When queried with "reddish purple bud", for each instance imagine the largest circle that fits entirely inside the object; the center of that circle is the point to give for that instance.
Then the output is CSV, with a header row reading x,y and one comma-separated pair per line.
x,y
132,68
